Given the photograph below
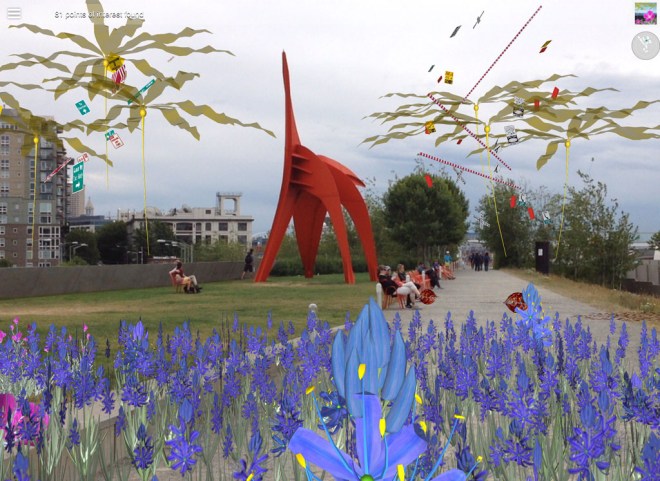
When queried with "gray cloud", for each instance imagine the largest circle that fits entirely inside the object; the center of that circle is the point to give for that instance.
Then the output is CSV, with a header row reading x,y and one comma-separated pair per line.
x,y
343,56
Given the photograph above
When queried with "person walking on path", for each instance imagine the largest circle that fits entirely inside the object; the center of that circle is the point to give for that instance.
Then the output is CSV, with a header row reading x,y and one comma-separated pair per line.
x,y
249,261
486,261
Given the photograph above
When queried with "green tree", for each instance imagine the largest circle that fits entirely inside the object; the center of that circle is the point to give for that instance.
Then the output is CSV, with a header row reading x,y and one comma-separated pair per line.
x,y
596,239
514,247
157,231
654,242
6,263
388,250
112,241
420,217
220,250
89,251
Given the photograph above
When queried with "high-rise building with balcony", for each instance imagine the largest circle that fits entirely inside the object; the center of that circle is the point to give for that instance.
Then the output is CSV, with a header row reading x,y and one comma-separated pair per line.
x,y
19,196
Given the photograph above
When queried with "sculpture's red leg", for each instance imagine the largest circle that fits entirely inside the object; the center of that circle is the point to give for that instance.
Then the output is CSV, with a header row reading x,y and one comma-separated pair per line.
x,y
308,216
357,209
337,218
281,221
360,215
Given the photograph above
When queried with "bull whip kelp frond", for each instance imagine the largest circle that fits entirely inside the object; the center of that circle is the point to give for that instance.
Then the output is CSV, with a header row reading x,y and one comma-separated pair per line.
x,y
204,110
47,129
104,45
32,126
31,60
77,145
23,86
496,93
550,115
425,112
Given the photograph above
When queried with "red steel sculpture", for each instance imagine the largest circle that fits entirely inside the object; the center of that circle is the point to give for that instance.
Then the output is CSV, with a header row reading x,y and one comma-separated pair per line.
x,y
313,185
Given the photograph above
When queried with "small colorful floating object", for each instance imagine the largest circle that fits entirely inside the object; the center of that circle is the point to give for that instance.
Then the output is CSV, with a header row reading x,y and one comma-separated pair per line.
x,y
515,300
427,296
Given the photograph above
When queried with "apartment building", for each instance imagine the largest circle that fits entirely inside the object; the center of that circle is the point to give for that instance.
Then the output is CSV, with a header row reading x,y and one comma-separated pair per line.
x,y
19,196
224,221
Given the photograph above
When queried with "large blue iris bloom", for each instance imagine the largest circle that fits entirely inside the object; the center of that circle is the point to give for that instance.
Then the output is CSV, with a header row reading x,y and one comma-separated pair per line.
x,y
385,366
377,457
532,320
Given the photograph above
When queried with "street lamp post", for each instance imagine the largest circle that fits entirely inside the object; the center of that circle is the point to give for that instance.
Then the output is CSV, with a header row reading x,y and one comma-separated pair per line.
x,y
71,245
185,249
75,248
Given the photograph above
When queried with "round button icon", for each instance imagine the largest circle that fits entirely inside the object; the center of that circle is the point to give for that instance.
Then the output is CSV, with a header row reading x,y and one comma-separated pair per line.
x,y
645,45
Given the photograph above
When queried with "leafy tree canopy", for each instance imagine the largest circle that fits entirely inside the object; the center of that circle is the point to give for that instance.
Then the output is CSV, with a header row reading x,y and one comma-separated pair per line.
x,y
112,240
89,253
422,217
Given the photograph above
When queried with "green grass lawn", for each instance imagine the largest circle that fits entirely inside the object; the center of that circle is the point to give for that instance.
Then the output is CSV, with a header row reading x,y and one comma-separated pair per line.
x,y
287,298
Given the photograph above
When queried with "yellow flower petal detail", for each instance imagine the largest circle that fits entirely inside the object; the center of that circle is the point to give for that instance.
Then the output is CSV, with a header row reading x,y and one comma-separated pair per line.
x,y
249,478
422,424
382,426
479,459
458,416
401,471
362,368
309,390
418,399
301,460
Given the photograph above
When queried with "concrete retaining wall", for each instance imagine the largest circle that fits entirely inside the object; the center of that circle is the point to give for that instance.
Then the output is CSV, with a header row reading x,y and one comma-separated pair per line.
x,y
631,285
49,281
647,271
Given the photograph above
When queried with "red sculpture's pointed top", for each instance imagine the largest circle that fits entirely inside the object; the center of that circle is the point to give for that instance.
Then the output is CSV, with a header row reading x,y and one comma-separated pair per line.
x,y
291,133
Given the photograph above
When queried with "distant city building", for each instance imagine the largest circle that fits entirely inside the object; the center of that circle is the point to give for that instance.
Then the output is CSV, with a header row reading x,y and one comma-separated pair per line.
x,y
89,207
17,197
88,221
200,224
76,202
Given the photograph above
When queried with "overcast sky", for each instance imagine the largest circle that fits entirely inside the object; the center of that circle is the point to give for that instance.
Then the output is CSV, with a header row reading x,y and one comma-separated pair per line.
x,y
343,55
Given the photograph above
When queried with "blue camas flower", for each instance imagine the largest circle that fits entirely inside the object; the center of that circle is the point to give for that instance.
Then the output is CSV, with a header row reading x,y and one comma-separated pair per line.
x,y
335,412
74,434
183,449
532,321
254,471
650,469
21,468
287,421
143,454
